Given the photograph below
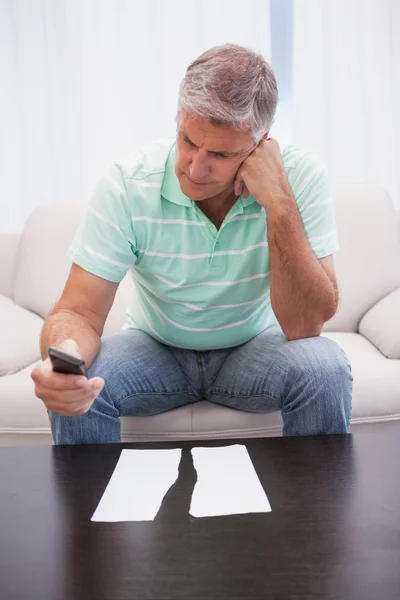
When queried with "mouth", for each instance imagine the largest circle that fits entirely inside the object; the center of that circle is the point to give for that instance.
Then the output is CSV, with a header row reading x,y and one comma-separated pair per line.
x,y
199,184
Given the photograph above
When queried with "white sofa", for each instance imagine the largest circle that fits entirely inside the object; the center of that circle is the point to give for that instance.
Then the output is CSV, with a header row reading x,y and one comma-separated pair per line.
x,y
34,266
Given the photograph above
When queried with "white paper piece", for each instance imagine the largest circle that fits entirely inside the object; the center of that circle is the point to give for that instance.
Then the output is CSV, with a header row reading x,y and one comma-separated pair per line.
x,y
227,483
138,485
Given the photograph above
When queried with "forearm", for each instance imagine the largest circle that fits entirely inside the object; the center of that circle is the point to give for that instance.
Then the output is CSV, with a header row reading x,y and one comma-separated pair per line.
x,y
61,325
302,295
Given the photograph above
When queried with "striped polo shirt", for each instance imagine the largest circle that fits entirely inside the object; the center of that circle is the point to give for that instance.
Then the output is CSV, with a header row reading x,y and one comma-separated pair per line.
x,y
194,286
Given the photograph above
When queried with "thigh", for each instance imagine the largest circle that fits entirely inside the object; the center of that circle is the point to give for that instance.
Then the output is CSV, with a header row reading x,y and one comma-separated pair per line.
x,y
249,378
142,376
262,374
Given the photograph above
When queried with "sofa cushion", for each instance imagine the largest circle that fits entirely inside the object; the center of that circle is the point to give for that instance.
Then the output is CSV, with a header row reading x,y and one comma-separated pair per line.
x,y
376,379
23,417
381,325
20,331
20,410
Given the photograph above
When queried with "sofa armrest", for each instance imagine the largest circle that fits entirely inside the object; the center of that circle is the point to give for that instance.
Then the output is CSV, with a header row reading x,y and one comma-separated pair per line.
x,y
381,325
8,261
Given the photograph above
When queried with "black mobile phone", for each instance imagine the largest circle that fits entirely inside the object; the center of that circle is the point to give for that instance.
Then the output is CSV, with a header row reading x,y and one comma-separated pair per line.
x,y
63,362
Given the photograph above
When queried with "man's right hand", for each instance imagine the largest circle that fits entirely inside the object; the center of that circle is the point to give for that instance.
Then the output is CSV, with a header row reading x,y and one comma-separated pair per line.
x,y
67,395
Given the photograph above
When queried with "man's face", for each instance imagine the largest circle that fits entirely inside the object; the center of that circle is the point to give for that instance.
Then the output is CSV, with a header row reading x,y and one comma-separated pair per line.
x,y
208,157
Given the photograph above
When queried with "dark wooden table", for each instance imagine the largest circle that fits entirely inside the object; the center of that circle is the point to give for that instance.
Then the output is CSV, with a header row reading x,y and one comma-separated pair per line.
x,y
334,529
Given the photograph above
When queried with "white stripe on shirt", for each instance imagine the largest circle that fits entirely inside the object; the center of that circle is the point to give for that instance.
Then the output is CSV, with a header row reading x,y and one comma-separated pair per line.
x,y
149,184
114,225
213,283
197,256
246,217
118,187
200,329
146,318
138,278
102,256
169,221
248,249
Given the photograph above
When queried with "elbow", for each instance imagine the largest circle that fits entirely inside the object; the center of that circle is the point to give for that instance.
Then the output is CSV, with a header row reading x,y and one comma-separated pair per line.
x,y
300,331
293,335
330,311
311,323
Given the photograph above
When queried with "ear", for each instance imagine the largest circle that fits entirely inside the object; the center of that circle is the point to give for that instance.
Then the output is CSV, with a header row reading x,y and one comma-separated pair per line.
x,y
265,136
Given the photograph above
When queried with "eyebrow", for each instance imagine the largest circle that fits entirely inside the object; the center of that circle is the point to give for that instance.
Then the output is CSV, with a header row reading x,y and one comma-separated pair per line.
x,y
230,154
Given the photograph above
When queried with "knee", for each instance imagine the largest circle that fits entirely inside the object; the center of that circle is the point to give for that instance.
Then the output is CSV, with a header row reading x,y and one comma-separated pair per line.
x,y
319,360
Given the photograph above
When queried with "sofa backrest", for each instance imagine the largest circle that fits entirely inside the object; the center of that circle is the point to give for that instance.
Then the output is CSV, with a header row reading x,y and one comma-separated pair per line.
x,y
368,265
43,266
9,244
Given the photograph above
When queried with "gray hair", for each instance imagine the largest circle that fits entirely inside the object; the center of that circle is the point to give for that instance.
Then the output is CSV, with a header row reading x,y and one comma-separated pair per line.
x,y
233,86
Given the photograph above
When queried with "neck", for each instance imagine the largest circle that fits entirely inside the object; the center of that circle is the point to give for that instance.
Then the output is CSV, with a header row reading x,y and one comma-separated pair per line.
x,y
217,207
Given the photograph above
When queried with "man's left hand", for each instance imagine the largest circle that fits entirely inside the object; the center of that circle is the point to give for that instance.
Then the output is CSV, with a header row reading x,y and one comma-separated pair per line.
x,y
262,173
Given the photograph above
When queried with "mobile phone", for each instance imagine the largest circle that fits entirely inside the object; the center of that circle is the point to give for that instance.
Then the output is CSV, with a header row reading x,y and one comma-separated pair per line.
x,y
63,362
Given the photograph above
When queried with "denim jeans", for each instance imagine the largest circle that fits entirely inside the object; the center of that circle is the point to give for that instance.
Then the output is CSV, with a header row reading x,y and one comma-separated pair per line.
x,y
308,380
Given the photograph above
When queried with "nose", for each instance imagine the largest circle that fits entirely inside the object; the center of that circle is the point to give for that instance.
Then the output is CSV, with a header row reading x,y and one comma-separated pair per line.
x,y
199,169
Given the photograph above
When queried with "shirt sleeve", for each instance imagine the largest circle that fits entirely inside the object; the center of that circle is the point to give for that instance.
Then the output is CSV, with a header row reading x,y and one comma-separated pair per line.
x,y
104,243
311,189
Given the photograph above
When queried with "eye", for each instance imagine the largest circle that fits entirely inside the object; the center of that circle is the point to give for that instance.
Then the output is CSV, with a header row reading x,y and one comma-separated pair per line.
x,y
185,139
219,155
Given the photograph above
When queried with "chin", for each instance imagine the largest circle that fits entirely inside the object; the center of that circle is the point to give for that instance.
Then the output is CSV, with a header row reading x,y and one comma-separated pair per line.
x,y
193,192
197,195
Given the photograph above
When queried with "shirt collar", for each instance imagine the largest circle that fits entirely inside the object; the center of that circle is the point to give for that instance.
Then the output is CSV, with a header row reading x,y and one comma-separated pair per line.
x,y
170,188
247,201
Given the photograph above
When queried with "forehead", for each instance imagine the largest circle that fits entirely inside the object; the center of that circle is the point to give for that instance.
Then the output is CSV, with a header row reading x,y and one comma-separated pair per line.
x,y
212,137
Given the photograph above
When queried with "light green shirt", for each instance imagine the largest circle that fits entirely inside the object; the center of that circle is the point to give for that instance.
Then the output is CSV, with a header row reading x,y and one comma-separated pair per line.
x,y
193,286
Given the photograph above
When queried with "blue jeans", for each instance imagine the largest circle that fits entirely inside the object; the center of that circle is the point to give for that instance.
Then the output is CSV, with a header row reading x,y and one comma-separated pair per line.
x,y
308,380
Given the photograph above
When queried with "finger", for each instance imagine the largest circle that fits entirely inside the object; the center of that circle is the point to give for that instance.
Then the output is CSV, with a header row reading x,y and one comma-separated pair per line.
x,y
91,390
61,382
237,185
245,192
97,384
83,410
238,188
82,407
44,375
89,396
61,406
70,411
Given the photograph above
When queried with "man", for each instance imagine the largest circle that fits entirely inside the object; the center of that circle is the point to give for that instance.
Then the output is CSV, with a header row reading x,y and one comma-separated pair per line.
x,y
229,243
